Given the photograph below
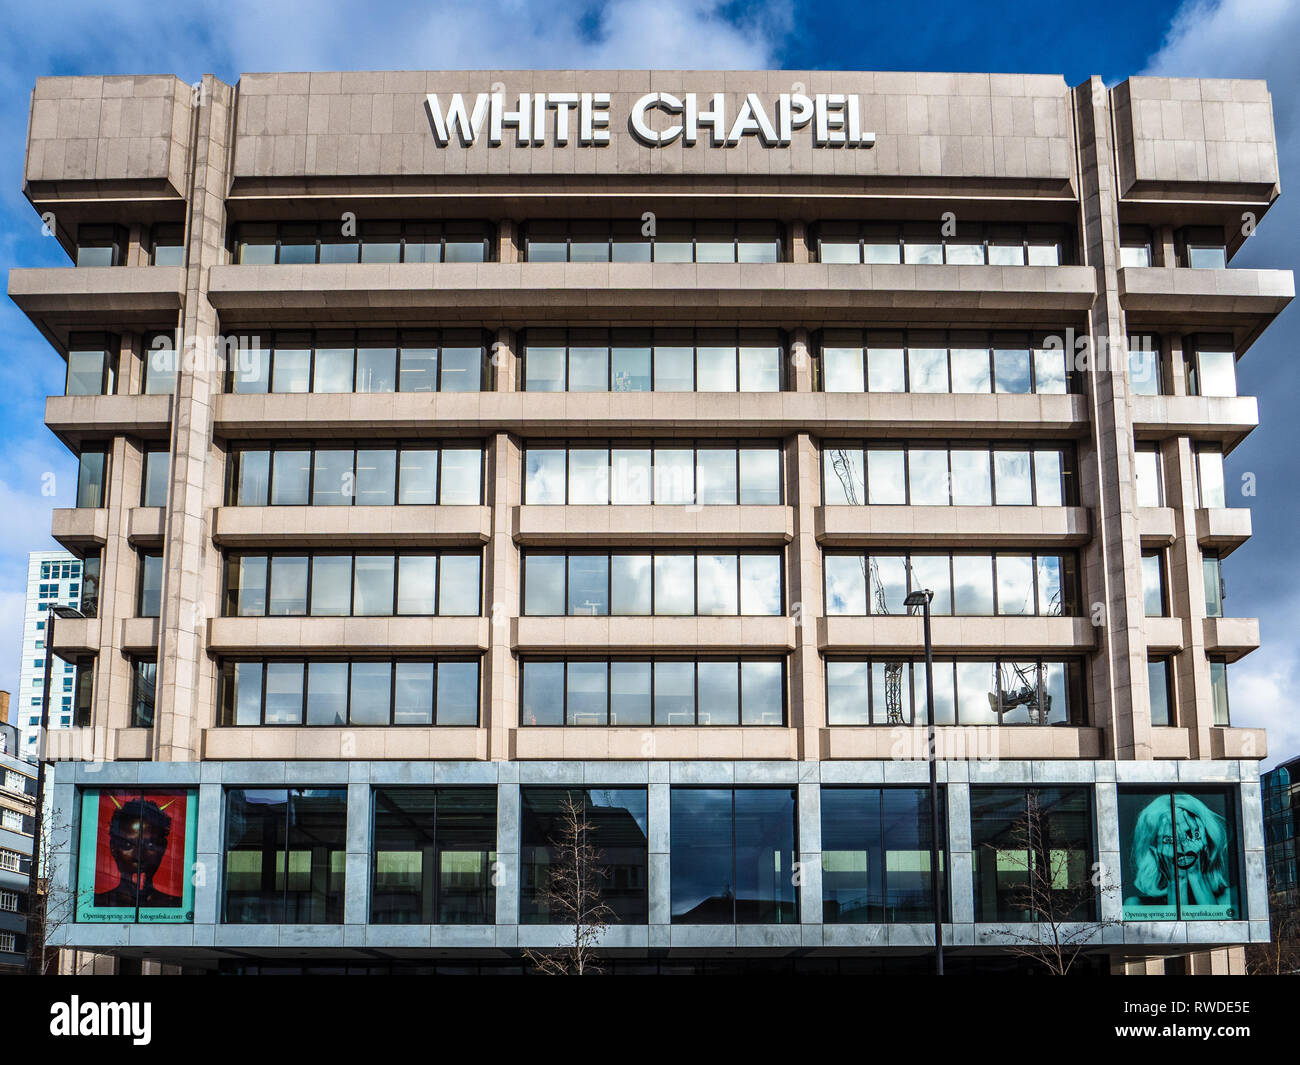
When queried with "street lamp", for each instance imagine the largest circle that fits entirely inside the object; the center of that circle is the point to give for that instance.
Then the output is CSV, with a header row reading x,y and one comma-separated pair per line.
x,y
35,928
921,598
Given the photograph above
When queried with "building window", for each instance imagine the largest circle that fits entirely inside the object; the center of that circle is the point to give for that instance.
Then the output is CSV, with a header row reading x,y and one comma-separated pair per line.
x,y
158,353
941,361
733,854
101,245
1219,691
326,693
1212,576
264,243
972,244
1212,367
155,481
1007,583
1016,829
380,585
8,943
136,854
360,361
92,365
12,820
286,852
934,474
89,605
1146,471
1135,246
1179,854
660,360
92,478
434,853
1145,369
144,677
876,855
652,583
167,244
662,691
82,683
1155,600
149,599
618,831
12,862
9,901
416,476
597,241
891,691
1160,686
1202,248
1211,488
633,474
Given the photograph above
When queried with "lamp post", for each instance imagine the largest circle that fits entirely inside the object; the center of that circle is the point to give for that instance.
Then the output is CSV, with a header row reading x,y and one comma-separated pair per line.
x,y
921,598
35,927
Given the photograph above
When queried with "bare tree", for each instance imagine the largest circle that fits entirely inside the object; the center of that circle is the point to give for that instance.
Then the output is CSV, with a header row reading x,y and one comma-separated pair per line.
x,y
1280,956
52,906
1053,894
572,894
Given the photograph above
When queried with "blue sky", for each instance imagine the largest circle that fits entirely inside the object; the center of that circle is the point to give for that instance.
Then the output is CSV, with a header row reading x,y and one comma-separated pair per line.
x,y
1228,38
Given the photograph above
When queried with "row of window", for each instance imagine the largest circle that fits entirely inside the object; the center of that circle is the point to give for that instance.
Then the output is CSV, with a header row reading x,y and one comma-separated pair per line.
x,y
442,691
891,691
668,692
733,856
956,361
1210,368
383,475
660,583
917,473
924,243
680,241
344,241
932,474
662,691
408,583
645,360
668,474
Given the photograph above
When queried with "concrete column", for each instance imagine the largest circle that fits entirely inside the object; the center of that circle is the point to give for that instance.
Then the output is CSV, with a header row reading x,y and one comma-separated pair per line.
x,y
186,688
1118,683
207,854
501,585
1175,363
810,847
796,237
505,361
807,690
961,856
356,888
508,246
659,886
508,870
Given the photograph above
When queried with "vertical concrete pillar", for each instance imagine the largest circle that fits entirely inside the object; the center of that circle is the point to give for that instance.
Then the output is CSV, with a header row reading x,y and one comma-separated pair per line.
x,y
501,584
508,871
1118,683
356,894
810,852
807,691
119,581
186,686
659,886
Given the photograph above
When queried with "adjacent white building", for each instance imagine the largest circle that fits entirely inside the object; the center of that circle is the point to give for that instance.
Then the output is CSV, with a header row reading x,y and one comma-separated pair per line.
x,y
52,577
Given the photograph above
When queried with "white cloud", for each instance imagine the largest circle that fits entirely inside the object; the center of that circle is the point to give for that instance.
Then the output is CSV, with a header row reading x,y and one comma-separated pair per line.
x,y
1256,39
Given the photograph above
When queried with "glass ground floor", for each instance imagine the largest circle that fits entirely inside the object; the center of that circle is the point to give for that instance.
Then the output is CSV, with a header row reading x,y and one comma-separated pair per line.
x,y
829,866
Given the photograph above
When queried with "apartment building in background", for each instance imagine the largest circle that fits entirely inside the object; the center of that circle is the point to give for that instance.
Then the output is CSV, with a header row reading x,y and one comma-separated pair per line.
x,y
17,822
453,443
53,578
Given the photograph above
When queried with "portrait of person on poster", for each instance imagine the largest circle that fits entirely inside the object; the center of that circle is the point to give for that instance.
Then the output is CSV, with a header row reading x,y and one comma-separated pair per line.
x,y
1180,861
136,850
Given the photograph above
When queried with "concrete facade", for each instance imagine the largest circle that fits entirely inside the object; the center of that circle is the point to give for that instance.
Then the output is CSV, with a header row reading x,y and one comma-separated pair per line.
x,y
1169,157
